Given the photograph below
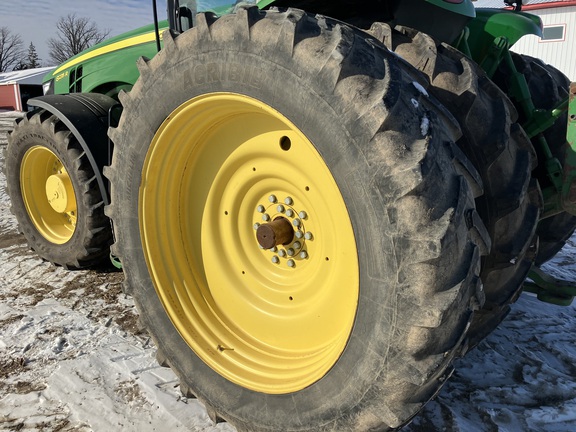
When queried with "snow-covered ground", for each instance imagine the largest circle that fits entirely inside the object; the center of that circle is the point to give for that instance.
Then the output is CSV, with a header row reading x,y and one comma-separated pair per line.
x,y
72,358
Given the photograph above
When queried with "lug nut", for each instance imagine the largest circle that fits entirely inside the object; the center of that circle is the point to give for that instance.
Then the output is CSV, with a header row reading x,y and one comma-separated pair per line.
x,y
303,215
280,208
290,252
296,222
298,234
260,209
289,213
256,225
272,198
303,254
288,201
291,263
308,236
282,253
275,259
274,249
297,245
266,217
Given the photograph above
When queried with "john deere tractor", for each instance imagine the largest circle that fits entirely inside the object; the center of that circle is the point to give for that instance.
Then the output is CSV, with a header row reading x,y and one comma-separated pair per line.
x,y
317,205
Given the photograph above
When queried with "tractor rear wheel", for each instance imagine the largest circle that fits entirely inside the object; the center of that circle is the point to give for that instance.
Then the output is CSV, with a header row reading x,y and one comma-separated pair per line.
x,y
295,223
549,87
501,152
54,193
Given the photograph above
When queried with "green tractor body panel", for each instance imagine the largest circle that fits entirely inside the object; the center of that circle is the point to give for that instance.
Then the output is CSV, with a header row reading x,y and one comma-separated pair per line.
x,y
107,67
493,25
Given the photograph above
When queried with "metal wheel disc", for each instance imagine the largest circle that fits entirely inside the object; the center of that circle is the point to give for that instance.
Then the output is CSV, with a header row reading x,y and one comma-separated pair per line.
x,y
48,194
272,319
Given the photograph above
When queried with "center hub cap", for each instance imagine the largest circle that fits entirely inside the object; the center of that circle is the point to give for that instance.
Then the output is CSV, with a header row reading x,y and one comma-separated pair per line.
x,y
58,190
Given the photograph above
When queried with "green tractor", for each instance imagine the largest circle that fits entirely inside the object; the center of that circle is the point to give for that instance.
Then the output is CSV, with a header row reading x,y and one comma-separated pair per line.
x,y
317,205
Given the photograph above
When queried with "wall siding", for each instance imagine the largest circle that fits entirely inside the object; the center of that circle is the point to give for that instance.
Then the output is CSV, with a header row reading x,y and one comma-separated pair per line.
x,y
561,54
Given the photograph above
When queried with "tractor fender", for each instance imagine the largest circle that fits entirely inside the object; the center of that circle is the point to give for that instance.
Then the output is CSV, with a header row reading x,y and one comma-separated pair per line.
x,y
510,24
87,117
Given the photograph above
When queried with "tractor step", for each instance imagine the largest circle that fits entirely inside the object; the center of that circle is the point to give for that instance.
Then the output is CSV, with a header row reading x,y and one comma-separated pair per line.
x,y
550,289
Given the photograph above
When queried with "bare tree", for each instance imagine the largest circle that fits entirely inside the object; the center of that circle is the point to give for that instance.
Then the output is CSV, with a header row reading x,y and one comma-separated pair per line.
x,y
75,34
11,49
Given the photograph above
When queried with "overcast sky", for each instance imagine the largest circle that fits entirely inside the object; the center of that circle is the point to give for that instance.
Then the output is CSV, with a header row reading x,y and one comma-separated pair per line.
x,y
35,20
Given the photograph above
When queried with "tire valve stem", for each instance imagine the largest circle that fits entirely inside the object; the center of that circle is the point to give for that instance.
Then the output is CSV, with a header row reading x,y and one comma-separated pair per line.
x,y
223,348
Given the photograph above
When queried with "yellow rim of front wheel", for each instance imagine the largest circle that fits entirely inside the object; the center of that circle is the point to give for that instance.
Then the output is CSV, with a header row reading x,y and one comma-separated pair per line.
x,y
48,194
273,320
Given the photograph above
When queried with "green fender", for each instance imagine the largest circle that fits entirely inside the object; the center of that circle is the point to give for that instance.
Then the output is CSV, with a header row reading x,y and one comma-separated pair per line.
x,y
492,24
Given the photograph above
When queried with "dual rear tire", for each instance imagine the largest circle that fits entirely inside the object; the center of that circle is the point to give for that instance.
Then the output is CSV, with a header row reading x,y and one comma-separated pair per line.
x,y
300,113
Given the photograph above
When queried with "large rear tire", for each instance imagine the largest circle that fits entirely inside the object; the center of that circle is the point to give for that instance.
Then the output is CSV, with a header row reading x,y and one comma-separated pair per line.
x,y
501,152
548,87
261,113
54,193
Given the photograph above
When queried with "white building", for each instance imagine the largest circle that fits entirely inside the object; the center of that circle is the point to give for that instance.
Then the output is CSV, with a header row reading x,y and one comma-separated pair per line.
x,y
558,46
16,87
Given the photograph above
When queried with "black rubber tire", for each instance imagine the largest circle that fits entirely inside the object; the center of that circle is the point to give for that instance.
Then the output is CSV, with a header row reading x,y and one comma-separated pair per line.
x,y
405,183
90,242
501,152
549,87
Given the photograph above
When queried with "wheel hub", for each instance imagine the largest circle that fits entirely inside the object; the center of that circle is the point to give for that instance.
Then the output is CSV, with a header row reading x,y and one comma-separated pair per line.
x,y
285,236
58,192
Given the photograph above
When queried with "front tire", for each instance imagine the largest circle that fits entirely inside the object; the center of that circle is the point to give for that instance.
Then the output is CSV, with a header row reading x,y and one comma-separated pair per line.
x,y
54,193
253,107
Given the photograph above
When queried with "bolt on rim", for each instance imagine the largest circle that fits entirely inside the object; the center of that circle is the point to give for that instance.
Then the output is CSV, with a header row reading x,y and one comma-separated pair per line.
x,y
48,194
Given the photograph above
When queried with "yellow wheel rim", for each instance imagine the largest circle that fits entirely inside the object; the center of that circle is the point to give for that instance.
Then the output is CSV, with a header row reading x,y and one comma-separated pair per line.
x,y
271,320
48,195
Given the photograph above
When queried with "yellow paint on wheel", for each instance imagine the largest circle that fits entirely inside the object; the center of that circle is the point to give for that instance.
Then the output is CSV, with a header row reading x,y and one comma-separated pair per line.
x,y
273,321
48,194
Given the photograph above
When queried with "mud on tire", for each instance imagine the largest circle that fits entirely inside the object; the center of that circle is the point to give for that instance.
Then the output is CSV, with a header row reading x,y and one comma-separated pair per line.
x,y
407,191
501,152
41,146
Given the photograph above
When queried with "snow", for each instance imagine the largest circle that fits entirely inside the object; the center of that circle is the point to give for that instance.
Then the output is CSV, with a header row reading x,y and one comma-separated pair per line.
x,y
420,88
72,358
28,76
